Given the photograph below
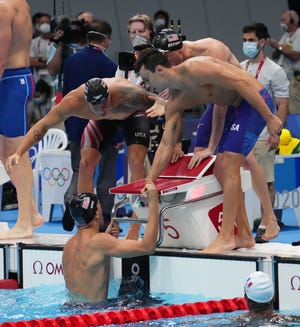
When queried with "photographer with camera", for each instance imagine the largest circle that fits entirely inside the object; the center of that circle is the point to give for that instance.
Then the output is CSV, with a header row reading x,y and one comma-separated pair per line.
x,y
287,54
136,127
68,38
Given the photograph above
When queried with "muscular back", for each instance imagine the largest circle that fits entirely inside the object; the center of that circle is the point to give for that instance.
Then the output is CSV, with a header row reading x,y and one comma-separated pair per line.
x,y
15,34
212,48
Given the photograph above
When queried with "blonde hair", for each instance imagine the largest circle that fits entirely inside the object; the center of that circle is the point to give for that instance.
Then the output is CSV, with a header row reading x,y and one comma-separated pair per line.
x,y
142,18
293,16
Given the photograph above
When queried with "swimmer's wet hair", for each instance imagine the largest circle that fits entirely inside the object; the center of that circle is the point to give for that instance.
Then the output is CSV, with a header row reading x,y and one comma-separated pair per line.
x,y
150,58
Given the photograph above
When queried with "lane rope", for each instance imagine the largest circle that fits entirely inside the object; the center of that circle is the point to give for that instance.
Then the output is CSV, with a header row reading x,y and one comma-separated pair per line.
x,y
135,315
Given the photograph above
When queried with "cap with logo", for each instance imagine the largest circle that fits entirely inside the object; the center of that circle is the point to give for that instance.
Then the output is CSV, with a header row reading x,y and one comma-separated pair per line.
x,y
96,91
83,208
259,287
167,40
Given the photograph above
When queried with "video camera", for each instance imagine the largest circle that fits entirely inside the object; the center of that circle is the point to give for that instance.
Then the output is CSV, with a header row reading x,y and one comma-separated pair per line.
x,y
72,29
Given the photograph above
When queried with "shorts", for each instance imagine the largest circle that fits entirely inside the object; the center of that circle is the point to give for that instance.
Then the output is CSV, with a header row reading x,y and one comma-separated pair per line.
x,y
98,133
16,90
265,159
241,128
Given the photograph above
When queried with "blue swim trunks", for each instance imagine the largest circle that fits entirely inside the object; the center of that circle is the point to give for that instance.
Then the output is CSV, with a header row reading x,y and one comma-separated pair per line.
x,y
241,129
16,89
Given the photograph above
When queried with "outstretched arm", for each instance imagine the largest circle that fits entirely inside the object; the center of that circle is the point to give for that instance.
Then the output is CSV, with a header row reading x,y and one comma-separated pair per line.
x,y
125,248
217,126
36,133
165,150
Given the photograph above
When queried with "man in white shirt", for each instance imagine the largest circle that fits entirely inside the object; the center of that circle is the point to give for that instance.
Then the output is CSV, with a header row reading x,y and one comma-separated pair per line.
x,y
275,80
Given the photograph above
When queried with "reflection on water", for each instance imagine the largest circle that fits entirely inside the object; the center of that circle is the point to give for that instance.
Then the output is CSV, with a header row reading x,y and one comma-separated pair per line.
x,y
52,301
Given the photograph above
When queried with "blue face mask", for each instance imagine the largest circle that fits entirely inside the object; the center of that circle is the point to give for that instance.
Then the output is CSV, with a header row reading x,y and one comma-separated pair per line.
x,y
250,49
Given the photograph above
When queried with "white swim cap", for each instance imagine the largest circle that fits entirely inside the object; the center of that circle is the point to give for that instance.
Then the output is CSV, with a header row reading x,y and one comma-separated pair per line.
x,y
259,287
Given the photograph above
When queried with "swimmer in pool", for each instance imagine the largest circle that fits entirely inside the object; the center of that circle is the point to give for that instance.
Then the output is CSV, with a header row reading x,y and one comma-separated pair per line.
x,y
259,294
86,256
201,80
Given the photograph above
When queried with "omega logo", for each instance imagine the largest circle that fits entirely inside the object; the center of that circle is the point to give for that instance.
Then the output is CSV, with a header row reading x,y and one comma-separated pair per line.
x,y
135,269
49,268
295,283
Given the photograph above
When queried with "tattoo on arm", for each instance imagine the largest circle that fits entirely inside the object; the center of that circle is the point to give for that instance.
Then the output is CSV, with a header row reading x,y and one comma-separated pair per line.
x,y
137,98
37,136
174,128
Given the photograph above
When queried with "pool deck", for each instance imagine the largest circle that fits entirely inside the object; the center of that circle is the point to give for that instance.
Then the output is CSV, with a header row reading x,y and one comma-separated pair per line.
x,y
37,261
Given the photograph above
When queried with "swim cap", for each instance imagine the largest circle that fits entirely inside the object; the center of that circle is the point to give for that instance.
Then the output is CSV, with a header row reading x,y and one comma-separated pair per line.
x,y
167,40
96,91
83,208
259,287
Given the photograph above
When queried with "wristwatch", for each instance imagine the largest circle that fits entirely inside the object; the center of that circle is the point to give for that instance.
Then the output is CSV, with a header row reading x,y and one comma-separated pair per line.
x,y
280,48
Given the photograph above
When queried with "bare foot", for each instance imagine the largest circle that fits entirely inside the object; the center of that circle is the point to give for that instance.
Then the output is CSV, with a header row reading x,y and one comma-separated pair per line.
x,y
272,231
243,241
16,233
133,232
219,245
37,220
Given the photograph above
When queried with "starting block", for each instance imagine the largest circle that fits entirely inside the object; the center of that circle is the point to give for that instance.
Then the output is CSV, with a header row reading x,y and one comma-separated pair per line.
x,y
191,203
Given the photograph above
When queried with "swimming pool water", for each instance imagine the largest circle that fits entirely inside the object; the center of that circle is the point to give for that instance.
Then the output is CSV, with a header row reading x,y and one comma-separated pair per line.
x,y
51,301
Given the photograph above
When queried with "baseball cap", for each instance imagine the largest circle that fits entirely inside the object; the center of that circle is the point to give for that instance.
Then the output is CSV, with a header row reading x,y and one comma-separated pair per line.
x,y
259,287
96,91
83,208
167,40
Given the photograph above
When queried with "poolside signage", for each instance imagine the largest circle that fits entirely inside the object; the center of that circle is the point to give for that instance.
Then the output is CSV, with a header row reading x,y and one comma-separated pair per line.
x,y
40,265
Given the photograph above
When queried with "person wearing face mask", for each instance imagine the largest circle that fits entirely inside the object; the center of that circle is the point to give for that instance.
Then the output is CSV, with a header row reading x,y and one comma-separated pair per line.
x,y
208,135
137,127
40,50
40,104
287,54
275,80
91,61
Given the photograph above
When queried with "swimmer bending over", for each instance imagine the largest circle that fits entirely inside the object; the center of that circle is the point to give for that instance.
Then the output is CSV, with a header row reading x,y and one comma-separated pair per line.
x,y
204,80
107,98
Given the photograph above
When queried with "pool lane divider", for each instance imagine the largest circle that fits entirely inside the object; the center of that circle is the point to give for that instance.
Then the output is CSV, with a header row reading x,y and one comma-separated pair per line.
x,y
135,315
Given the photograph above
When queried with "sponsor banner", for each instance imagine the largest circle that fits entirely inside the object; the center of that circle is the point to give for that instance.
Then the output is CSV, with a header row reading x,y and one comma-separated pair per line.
x,y
288,283
211,275
40,265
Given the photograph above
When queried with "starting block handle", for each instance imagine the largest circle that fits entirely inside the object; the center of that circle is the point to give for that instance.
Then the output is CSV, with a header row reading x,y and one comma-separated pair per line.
x,y
131,220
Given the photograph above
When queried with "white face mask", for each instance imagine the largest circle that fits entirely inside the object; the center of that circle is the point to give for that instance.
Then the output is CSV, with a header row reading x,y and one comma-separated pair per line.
x,y
39,100
139,41
284,27
45,28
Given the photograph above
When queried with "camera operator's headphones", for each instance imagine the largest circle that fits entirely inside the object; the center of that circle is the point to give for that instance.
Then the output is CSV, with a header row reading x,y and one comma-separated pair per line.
x,y
167,40
291,17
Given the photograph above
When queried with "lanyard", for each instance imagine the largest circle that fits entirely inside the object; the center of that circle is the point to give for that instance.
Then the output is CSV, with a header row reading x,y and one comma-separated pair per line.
x,y
98,47
39,47
261,63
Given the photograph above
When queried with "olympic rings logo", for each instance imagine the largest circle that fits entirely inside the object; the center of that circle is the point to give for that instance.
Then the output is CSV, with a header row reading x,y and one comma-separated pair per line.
x,y
56,176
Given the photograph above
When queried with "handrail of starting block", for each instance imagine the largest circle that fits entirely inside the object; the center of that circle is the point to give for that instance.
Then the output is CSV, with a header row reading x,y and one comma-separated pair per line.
x,y
145,220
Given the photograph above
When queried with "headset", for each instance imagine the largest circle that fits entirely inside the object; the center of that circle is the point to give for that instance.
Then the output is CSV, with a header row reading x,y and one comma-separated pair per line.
x,y
291,18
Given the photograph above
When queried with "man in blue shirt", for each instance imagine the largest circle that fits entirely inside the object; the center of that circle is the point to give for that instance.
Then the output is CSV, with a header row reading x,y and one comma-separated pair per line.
x,y
89,62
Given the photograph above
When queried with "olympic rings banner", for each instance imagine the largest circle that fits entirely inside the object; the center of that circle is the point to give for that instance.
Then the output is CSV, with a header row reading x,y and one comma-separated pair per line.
x,y
56,173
